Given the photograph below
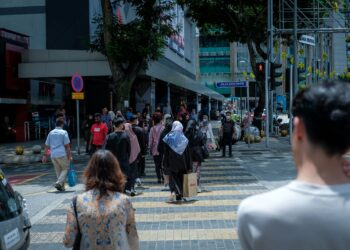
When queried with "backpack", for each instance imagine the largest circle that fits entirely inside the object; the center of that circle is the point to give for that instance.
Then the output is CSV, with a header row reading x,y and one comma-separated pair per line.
x,y
228,127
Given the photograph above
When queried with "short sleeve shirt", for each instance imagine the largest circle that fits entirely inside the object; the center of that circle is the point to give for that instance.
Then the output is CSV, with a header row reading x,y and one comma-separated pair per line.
x,y
56,140
99,133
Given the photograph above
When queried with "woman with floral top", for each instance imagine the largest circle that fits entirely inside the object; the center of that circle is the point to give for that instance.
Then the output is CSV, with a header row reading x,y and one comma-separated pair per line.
x,y
105,217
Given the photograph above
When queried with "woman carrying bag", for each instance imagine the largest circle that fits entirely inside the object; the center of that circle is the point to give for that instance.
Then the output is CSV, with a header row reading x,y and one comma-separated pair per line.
x,y
102,217
177,160
197,144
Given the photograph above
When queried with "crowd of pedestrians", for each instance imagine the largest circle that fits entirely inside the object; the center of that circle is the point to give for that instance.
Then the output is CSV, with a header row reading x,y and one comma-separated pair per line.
x,y
313,208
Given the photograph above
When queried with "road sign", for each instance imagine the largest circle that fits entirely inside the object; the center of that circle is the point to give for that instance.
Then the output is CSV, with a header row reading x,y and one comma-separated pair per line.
x,y
239,84
77,83
78,96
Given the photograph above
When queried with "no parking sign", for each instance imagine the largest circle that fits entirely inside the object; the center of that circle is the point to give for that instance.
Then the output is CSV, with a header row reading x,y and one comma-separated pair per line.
x,y
78,86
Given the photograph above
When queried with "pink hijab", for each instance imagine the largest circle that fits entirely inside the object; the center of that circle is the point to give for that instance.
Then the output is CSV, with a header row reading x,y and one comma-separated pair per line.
x,y
135,147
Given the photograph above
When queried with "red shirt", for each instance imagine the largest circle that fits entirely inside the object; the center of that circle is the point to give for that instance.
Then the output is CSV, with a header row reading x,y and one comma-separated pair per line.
x,y
99,133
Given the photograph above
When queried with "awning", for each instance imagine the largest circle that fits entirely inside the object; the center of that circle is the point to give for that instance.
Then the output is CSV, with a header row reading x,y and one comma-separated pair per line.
x,y
161,71
64,63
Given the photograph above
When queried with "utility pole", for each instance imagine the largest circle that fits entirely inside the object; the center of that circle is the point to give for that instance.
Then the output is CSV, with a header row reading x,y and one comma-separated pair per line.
x,y
270,57
267,66
295,48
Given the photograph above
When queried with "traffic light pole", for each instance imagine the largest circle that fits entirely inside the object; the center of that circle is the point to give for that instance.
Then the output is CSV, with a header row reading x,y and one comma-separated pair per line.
x,y
270,59
267,132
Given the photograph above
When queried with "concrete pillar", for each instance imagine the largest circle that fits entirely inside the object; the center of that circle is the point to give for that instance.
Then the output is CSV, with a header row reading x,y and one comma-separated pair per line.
x,y
209,107
199,105
153,95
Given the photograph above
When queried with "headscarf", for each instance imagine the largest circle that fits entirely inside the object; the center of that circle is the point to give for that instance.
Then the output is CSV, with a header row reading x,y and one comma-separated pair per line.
x,y
135,147
176,139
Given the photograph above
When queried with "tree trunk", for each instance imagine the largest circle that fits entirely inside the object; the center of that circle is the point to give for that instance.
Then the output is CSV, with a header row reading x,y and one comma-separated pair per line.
x,y
260,85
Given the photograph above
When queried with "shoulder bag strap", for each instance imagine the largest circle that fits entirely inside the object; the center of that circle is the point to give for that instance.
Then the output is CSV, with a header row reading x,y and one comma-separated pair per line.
x,y
75,211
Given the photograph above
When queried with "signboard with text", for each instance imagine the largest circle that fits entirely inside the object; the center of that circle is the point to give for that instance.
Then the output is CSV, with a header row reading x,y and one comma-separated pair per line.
x,y
238,84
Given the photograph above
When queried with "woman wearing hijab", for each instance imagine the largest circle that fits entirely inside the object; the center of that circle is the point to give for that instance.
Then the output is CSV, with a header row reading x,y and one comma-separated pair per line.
x,y
207,129
177,159
133,158
197,140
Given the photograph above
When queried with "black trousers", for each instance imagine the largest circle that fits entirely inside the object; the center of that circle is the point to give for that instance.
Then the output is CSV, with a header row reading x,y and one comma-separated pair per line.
x,y
176,183
131,176
158,166
141,166
227,140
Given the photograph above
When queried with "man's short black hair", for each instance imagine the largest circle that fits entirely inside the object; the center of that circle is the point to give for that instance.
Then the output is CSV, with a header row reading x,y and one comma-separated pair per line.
x,y
118,121
97,115
59,122
133,118
325,111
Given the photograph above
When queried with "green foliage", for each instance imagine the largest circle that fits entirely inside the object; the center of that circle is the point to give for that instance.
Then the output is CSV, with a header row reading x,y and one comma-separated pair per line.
x,y
140,40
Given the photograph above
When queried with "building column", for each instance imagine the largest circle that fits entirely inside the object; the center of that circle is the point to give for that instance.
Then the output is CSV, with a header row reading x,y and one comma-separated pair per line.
x,y
198,100
153,95
168,97
209,108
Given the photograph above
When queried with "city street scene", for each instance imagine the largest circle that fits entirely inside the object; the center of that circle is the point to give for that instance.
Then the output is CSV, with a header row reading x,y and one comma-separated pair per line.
x,y
175,124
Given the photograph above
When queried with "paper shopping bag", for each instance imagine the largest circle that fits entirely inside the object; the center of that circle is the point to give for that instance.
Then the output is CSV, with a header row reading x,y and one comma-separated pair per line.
x,y
190,185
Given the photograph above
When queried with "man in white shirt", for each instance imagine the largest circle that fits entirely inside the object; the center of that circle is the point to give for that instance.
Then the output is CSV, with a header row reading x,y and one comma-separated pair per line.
x,y
58,143
313,211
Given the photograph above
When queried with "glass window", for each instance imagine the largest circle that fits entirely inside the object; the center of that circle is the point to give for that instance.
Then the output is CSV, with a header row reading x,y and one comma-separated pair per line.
x,y
9,204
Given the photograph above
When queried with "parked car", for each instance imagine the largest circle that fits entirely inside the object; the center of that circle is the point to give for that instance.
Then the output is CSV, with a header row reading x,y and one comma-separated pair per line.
x,y
14,218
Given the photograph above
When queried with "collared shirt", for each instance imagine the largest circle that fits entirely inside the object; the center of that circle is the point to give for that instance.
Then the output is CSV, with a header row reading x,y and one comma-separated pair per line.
x,y
56,140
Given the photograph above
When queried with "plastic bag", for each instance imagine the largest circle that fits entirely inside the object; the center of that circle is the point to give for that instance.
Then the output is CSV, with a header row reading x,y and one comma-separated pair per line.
x,y
72,176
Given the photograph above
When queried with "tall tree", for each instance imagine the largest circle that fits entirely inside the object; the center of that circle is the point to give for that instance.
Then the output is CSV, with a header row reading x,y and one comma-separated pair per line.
x,y
239,21
131,45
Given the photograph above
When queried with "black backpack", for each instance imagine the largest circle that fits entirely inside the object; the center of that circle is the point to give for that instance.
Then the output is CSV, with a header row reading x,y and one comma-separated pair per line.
x,y
228,127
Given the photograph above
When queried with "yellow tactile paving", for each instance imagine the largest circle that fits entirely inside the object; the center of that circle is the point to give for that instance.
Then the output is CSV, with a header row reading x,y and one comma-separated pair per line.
x,y
188,216
214,178
188,234
154,235
214,203
215,193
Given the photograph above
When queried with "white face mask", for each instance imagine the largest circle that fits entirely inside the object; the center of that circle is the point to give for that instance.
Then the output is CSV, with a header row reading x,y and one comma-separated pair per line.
x,y
228,117
204,120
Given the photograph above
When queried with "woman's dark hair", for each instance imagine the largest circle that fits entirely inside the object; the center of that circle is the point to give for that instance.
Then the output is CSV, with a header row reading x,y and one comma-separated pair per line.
x,y
103,173
325,111
157,117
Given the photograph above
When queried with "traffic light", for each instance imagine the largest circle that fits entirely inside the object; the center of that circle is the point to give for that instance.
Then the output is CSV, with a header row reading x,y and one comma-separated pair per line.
x,y
274,73
260,72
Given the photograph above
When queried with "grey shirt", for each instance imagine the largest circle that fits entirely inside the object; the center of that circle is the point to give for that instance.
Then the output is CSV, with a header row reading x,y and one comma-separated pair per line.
x,y
299,216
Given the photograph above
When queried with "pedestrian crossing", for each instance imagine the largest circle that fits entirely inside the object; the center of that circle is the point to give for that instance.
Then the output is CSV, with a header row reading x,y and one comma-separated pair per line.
x,y
207,222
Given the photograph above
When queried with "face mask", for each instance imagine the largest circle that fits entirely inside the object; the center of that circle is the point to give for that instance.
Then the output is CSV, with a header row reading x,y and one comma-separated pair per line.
x,y
204,120
228,117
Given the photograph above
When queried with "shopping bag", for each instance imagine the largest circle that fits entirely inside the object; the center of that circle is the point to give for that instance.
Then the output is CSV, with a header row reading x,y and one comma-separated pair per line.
x,y
72,176
190,185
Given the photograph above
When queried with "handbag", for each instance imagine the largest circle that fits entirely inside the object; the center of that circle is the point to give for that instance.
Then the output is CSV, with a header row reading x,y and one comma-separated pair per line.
x,y
76,245
189,185
205,152
72,176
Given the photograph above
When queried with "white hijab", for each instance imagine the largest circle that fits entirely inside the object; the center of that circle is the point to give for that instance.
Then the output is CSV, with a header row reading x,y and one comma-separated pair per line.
x,y
176,139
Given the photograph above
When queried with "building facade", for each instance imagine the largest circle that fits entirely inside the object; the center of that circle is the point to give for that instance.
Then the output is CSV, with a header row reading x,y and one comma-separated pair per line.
x,y
58,48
